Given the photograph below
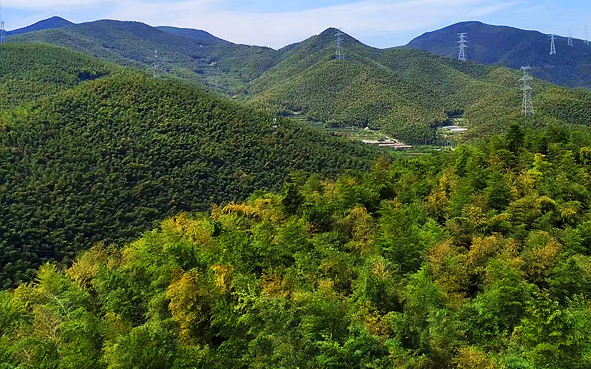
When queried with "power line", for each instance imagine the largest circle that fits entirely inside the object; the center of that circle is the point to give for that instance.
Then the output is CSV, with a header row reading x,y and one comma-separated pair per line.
x,y
527,108
463,46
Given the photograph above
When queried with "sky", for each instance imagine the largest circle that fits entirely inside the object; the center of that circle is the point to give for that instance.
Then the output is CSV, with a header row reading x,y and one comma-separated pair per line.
x,y
379,23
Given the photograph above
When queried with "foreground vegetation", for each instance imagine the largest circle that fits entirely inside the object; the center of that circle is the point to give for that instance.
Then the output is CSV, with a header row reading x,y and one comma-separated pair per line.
x,y
477,258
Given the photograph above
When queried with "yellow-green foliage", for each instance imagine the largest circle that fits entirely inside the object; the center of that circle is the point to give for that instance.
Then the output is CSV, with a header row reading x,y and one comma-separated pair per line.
x,y
364,271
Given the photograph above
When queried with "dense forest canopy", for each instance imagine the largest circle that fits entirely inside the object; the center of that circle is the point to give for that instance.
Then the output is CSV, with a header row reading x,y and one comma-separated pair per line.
x,y
29,72
280,247
103,161
477,258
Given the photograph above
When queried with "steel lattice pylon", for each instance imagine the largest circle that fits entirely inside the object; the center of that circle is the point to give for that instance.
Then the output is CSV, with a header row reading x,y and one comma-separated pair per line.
x,y
552,44
527,108
340,55
463,46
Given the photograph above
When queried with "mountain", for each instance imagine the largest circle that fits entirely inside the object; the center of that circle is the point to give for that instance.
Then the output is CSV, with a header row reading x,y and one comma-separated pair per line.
x,y
218,64
50,23
29,72
100,162
405,91
193,34
513,48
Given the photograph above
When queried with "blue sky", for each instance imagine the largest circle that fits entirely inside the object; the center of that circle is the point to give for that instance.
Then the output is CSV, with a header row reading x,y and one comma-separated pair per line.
x,y
379,23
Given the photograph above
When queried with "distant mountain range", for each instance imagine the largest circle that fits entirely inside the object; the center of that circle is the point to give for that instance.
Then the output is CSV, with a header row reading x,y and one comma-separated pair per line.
x,y
191,55
513,48
50,23
227,67
405,91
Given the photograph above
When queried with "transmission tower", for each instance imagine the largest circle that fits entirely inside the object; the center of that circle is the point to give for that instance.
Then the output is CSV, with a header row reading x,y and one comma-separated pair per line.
x,y
570,39
156,65
527,108
340,55
1,32
463,46
586,36
1,25
552,44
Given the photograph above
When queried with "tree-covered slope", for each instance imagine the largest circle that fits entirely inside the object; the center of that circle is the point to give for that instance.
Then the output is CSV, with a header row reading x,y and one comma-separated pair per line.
x,y
404,91
28,72
101,162
221,65
474,259
512,47
194,34
50,23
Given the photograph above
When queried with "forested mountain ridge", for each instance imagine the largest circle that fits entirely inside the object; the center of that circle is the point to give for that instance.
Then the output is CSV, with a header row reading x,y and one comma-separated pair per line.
x,y
53,22
406,92
194,34
474,259
102,161
219,64
29,72
513,48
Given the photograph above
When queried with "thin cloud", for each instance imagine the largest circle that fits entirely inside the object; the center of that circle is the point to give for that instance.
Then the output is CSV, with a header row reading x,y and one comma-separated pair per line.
x,y
363,19
52,4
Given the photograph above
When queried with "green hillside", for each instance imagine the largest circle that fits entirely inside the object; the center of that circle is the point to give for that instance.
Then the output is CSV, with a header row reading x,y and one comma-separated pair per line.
x,y
513,48
473,259
28,72
406,92
102,161
50,23
218,64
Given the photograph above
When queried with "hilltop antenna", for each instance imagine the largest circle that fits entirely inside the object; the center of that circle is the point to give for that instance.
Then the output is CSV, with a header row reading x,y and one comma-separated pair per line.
x,y
552,44
570,39
340,55
463,46
527,108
